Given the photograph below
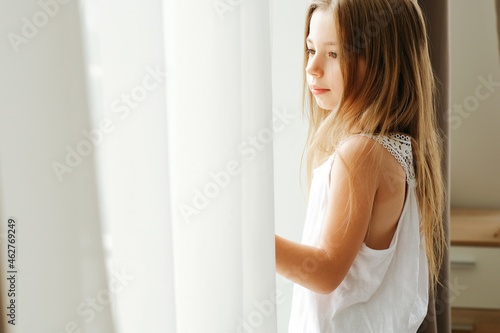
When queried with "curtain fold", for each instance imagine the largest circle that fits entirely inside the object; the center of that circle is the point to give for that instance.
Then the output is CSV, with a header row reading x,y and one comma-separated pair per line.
x,y
48,175
220,133
128,79
438,318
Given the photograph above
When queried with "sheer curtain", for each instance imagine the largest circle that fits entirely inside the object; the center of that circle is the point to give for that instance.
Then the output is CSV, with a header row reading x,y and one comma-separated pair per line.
x,y
136,154
128,82
188,176
220,132
48,182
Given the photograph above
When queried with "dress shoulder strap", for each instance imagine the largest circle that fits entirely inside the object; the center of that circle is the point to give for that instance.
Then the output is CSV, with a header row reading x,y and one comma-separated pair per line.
x,y
399,145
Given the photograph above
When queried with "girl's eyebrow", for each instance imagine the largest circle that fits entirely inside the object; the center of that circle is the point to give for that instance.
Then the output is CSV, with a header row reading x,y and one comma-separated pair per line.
x,y
309,40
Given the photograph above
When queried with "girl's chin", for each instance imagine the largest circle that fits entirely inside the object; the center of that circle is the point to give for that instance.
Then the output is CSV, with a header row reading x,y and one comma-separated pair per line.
x,y
328,106
323,105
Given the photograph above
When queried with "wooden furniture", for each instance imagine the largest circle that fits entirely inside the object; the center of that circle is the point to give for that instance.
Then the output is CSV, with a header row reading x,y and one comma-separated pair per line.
x,y
475,271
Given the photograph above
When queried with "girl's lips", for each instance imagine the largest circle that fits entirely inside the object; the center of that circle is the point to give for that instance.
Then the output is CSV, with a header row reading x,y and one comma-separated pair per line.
x,y
319,91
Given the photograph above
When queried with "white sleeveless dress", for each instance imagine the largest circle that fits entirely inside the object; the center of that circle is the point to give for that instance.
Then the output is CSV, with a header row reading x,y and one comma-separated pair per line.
x,y
384,291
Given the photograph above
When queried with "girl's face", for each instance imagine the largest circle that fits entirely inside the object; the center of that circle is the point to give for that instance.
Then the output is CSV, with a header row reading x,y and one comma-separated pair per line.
x,y
324,77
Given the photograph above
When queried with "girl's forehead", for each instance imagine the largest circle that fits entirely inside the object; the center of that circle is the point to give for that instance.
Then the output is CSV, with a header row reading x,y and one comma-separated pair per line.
x,y
322,28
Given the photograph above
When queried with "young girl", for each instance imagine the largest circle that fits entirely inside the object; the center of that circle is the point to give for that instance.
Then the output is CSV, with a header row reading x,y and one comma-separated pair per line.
x,y
373,236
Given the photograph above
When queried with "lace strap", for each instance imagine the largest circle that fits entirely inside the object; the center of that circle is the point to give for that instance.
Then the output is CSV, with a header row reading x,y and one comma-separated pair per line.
x,y
399,146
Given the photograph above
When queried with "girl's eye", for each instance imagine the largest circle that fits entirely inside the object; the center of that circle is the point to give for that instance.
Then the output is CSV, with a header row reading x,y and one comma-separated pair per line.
x,y
311,51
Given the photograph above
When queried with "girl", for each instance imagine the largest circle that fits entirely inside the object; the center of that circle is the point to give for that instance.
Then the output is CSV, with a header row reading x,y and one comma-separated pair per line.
x,y
373,236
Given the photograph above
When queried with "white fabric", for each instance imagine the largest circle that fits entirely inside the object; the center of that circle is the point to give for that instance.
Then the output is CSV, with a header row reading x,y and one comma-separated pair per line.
x,y
385,290
220,132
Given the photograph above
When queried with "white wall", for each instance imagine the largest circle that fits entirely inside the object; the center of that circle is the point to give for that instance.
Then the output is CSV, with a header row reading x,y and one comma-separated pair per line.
x,y
475,135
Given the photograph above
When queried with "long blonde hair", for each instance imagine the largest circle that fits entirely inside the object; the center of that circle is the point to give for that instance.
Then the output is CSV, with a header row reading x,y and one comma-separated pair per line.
x,y
396,95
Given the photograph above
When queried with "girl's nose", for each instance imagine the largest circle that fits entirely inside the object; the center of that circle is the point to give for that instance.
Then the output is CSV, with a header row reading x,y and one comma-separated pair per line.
x,y
314,67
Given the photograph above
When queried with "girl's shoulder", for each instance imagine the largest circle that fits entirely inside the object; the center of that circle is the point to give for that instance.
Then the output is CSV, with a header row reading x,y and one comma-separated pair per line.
x,y
394,142
397,144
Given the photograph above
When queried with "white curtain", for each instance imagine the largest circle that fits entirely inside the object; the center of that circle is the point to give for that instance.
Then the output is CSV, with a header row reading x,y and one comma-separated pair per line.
x,y
48,182
220,131
136,154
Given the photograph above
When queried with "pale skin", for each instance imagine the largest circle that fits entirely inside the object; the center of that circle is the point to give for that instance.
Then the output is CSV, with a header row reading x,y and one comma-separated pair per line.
x,y
379,195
